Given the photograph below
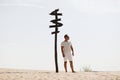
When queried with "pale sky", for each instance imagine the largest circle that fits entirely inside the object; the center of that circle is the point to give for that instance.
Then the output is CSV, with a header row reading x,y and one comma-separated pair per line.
x,y
93,26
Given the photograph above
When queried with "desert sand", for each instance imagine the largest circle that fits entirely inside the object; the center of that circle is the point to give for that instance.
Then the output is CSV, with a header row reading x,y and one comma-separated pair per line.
x,y
15,74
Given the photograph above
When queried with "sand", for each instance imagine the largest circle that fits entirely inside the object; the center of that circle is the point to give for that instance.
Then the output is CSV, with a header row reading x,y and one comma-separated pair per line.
x,y
14,74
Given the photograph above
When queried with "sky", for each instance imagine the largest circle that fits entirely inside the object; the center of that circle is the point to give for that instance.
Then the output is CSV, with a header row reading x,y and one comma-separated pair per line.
x,y
93,26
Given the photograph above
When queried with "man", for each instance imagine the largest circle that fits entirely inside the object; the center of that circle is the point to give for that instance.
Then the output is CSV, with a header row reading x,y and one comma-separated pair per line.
x,y
66,48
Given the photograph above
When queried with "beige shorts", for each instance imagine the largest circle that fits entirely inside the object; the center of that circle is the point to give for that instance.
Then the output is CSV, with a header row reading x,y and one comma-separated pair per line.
x,y
68,58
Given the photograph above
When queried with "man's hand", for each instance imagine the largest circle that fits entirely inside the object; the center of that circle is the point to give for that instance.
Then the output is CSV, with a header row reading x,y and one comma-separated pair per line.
x,y
72,50
62,51
73,53
63,55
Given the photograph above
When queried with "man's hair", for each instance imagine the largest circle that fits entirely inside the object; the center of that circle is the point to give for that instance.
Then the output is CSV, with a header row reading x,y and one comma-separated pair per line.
x,y
66,36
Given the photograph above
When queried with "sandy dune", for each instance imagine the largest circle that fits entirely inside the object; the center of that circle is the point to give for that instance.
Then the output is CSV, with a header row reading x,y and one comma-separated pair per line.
x,y
12,74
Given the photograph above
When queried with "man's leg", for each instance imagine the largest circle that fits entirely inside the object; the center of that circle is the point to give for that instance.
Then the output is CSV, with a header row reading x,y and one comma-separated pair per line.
x,y
65,66
71,65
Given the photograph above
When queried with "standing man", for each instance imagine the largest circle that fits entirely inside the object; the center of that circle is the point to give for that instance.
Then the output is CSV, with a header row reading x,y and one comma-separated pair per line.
x,y
66,48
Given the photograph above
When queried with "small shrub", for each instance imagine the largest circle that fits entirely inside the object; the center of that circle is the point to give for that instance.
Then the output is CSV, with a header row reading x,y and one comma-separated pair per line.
x,y
87,69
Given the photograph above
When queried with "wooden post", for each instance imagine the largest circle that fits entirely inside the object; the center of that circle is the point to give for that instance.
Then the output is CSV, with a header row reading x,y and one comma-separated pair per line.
x,y
57,24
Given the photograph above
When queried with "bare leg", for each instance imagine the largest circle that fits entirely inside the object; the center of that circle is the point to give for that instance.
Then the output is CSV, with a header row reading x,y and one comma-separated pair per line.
x,y
65,66
71,65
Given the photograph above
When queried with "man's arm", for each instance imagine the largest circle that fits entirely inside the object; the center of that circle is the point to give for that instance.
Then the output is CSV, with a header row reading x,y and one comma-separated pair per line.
x,y
72,50
62,51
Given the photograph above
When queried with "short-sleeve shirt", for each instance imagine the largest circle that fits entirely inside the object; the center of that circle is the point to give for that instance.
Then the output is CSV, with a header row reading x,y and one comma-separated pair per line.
x,y
67,47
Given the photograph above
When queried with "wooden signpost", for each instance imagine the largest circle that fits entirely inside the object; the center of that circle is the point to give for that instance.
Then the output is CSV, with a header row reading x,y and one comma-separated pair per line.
x,y
56,25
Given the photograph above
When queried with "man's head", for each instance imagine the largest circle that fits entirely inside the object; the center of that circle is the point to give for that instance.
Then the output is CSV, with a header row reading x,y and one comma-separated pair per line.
x,y
66,37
